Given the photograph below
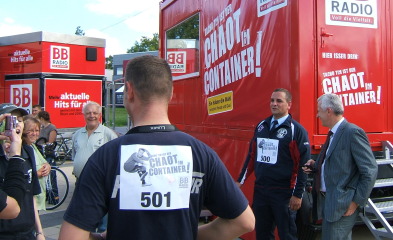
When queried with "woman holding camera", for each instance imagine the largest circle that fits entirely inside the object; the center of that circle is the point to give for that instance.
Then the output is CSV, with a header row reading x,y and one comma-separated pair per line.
x,y
27,225
14,184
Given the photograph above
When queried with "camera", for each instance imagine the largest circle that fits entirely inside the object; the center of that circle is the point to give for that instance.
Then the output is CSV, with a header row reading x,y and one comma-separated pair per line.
x,y
10,123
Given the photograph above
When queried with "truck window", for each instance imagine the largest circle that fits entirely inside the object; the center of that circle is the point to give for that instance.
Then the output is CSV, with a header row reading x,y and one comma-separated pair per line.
x,y
182,48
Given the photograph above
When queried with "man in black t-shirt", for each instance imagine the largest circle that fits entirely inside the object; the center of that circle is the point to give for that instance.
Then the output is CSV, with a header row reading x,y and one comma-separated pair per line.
x,y
184,175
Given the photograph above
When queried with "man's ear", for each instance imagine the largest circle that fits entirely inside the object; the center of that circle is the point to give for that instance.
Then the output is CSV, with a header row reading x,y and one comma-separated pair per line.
x,y
171,95
128,91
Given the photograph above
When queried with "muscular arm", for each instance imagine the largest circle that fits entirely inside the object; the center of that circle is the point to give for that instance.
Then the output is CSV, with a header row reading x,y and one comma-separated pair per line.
x,y
11,209
72,232
228,229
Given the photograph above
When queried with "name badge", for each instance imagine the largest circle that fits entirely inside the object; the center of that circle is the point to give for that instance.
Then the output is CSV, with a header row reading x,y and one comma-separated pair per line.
x,y
267,150
155,177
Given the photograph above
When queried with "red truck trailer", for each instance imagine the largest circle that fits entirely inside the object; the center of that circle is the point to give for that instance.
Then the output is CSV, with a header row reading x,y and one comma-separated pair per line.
x,y
227,56
57,71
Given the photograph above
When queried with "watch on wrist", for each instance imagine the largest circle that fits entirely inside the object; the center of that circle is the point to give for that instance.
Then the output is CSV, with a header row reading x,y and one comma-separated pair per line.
x,y
38,233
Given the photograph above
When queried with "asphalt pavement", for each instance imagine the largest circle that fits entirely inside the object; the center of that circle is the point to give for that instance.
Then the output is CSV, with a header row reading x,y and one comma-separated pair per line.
x,y
51,220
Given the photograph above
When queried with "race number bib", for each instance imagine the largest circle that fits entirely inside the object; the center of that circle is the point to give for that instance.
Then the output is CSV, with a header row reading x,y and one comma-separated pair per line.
x,y
155,177
267,150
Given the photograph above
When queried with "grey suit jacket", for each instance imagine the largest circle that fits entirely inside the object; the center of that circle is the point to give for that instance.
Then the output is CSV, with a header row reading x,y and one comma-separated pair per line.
x,y
350,170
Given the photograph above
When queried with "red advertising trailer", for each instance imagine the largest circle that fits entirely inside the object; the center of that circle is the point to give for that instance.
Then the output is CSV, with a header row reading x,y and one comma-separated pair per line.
x,y
243,50
57,71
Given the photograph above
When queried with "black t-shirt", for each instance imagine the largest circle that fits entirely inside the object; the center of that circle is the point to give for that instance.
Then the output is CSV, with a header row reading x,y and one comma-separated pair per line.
x,y
26,218
140,179
3,198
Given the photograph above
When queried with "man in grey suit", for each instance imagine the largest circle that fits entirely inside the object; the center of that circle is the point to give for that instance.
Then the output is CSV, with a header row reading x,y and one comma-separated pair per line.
x,y
345,172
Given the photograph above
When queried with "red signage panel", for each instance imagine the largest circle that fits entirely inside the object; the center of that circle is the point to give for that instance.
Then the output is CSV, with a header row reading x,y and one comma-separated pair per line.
x,y
21,58
23,93
72,59
65,103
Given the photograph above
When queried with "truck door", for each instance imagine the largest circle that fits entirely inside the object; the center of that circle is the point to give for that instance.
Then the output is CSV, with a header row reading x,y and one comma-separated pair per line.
x,y
351,57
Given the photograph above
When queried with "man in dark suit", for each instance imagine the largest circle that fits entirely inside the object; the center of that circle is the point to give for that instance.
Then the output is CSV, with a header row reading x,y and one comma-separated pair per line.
x,y
345,172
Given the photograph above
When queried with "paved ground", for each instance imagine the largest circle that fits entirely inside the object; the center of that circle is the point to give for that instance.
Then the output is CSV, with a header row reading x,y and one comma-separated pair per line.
x,y
51,220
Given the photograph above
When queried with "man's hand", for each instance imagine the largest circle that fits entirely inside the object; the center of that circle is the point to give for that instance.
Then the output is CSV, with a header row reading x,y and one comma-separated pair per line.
x,y
351,209
309,166
295,203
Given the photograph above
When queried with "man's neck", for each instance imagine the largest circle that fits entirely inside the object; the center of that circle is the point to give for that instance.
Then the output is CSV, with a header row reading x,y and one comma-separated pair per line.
x,y
336,120
153,114
146,122
91,129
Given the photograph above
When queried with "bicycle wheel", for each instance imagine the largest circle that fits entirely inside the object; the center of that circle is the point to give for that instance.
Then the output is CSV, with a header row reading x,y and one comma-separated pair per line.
x,y
57,187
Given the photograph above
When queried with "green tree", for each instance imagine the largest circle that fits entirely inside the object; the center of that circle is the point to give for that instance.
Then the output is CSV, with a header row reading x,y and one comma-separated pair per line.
x,y
145,44
109,62
189,29
79,31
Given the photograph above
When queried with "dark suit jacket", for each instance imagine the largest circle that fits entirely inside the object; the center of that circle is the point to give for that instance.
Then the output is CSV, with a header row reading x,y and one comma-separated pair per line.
x,y
350,170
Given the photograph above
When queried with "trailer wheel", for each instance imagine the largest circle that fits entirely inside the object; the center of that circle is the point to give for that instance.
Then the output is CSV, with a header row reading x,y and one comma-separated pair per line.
x,y
305,227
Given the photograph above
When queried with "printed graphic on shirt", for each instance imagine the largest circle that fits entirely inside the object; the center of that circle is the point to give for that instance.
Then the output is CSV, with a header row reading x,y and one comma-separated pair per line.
x,y
155,177
267,150
281,133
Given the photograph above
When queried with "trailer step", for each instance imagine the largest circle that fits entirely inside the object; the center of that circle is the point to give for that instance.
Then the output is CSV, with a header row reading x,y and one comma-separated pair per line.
x,y
383,207
383,182
384,161
382,232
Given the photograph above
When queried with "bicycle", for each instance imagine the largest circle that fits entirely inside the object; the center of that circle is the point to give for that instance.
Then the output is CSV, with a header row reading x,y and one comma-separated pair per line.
x,y
55,154
57,187
63,150
57,184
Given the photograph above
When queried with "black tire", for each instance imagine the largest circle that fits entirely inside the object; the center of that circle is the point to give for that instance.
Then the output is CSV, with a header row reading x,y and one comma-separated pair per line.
x,y
305,227
57,187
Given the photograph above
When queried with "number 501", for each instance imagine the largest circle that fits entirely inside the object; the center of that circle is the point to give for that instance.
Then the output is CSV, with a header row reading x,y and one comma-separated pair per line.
x,y
156,199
